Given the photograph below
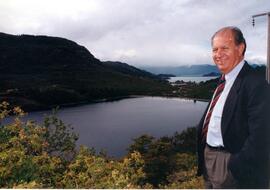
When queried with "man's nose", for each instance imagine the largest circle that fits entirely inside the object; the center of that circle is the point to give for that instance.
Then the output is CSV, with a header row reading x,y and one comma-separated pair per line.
x,y
218,53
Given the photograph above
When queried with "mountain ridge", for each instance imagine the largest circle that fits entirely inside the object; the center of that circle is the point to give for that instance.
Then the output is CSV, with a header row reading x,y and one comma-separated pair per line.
x,y
188,70
40,71
192,70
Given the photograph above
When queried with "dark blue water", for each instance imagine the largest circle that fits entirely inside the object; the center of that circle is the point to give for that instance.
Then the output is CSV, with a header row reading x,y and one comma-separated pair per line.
x,y
113,125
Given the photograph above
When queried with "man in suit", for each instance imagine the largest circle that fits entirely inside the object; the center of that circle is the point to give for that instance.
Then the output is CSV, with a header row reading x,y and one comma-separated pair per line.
x,y
233,134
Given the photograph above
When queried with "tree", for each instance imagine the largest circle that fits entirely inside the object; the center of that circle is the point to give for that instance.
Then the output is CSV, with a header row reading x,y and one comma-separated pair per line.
x,y
38,156
186,140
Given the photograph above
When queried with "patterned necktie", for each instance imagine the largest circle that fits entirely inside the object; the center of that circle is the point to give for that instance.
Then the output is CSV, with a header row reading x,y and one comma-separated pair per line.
x,y
218,92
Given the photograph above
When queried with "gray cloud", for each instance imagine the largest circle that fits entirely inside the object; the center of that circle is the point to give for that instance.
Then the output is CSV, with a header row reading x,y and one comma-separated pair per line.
x,y
140,32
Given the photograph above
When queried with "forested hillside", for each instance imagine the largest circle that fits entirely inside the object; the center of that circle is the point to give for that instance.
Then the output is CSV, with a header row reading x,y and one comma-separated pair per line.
x,y
38,72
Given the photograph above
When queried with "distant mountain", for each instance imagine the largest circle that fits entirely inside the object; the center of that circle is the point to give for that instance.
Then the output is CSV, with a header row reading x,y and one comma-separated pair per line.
x,y
193,70
40,71
128,69
165,76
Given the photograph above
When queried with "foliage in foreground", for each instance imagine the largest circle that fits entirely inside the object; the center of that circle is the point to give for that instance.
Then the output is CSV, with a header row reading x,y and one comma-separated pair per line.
x,y
170,162
44,156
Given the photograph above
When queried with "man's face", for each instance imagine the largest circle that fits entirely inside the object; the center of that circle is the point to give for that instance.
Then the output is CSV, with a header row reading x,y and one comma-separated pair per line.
x,y
226,54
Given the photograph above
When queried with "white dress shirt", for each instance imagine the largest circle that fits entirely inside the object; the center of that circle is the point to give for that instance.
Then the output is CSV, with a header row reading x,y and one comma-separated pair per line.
x,y
214,136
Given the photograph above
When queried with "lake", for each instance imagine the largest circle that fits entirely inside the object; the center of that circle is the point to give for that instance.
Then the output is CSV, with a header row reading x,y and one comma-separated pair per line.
x,y
112,125
191,79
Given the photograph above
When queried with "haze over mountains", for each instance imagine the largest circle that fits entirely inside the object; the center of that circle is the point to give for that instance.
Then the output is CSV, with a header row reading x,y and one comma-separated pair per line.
x,y
193,70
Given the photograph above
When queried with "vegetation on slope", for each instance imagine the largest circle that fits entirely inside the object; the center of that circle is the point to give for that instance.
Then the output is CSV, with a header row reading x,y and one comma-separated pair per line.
x,y
38,72
44,156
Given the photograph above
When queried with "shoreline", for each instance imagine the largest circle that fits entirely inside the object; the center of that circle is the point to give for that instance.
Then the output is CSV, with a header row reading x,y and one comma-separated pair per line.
x,y
75,104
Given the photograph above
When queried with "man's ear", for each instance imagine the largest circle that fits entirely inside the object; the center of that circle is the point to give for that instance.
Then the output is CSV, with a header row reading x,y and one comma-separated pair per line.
x,y
241,48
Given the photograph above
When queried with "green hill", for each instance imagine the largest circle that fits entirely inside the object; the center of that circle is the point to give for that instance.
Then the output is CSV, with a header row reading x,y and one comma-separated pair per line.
x,y
38,72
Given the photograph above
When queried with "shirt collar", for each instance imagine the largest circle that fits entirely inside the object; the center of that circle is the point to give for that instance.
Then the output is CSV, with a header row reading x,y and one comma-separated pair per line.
x,y
234,72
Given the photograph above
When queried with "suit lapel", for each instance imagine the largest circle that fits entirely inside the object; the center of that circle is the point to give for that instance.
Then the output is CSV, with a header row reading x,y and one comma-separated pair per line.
x,y
231,100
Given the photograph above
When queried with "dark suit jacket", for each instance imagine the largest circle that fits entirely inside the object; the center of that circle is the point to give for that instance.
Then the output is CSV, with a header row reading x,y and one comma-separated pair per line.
x,y
245,130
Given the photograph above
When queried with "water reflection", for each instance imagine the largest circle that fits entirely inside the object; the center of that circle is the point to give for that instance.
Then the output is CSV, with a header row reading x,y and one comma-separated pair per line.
x,y
113,125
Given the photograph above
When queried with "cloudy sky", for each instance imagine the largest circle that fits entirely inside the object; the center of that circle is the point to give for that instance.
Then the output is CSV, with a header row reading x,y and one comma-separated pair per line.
x,y
140,32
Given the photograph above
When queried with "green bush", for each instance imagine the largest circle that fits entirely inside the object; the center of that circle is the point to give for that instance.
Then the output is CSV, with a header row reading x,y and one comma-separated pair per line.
x,y
43,156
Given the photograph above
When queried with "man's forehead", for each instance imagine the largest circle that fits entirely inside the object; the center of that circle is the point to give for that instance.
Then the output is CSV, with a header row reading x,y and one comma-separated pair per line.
x,y
225,34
